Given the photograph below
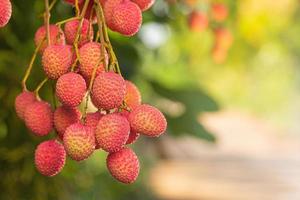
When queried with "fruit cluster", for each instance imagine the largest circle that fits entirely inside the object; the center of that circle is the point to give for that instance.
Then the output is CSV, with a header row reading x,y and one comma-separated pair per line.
x,y
83,68
5,12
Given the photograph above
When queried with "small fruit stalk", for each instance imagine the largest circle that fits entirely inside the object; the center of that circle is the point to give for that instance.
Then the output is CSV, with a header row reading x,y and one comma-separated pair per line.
x,y
81,62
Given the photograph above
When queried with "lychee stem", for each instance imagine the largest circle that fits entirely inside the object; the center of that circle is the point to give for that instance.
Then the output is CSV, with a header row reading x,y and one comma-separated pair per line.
x,y
77,8
36,91
47,21
66,20
50,8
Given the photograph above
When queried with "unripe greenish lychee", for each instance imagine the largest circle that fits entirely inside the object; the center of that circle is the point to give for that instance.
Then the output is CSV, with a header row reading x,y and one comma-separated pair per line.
x,y
92,120
132,96
50,157
144,4
108,9
5,12
147,120
133,136
39,118
70,89
123,165
64,117
71,29
90,56
57,60
79,141
112,132
108,91
57,36
127,18
22,101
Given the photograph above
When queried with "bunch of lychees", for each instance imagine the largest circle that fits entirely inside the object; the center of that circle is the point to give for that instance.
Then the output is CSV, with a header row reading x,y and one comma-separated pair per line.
x,y
81,61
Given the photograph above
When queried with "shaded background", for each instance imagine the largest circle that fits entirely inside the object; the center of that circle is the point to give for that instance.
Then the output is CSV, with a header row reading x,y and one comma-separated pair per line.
x,y
229,124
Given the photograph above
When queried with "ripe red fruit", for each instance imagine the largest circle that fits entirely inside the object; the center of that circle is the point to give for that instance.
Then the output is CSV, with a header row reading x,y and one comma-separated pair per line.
x,y
109,7
71,29
79,141
64,117
108,90
70,89
223,38
39,118
112,132
144,4
219,12
132,96
5,12
57,36
89,57
133,136
198,21
147,120
50,157
127,18
57,60
123,165
92,120
22,101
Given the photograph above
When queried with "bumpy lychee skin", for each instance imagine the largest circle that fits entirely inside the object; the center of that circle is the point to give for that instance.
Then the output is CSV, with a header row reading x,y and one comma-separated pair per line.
x,y
112,132
64,117
198,21
133,96
108,90
109,7
50,157
92,120
71,28
133,136
147,120
39,118
144,4
22,101
70,89
123,165
89,57
57,36
79,141
57,60
5,12
127,18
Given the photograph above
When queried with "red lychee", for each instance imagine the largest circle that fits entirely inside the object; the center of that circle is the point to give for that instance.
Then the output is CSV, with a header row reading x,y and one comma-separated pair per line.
x,y
64,117
89,57
5,12
108,90
147,120
112,132
79,141
57,36
50,157
109,7
198,21
223,38
133,136
123,165
144,4
70,89
127,18
39,118
219,12
92,120
57,60
71,29
132,96
22,101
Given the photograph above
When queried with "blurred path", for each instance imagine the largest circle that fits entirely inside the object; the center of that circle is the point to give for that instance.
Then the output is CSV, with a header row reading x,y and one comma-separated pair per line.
x,y
250,161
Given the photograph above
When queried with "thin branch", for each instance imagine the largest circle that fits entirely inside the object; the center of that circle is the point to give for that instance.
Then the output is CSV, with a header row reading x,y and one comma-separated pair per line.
x,y
47,21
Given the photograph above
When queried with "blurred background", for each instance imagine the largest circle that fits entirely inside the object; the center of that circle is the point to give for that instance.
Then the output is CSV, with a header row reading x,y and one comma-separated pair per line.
x,y
226,75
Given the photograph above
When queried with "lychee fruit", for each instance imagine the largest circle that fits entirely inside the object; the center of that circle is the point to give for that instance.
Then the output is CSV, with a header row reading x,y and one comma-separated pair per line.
x,y
57,60
79,141
108,90
147,120
132,96
5,12
64,117
223,38
109,7
50,157
127,18
219,12
144,4
39,118
71,29
57,36
22,101
133,136
112,132
198,21
70,89
92,120
89,57
123,165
